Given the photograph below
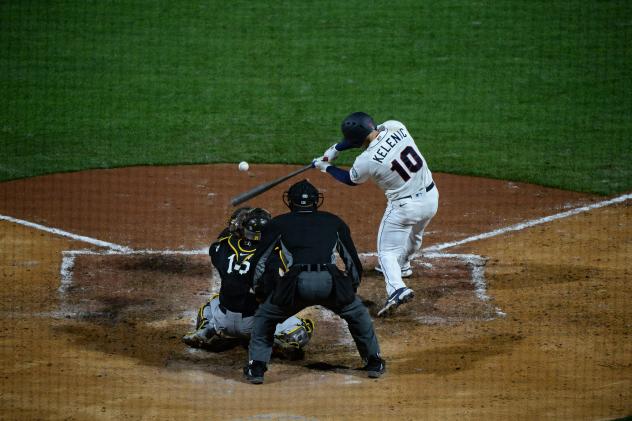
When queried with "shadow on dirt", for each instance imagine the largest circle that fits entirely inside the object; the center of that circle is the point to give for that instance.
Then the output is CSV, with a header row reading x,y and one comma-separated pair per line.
x,y
456,358
140,307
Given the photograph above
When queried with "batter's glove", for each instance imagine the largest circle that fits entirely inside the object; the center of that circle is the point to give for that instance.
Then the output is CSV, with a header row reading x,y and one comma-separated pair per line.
x,y
321,164
331,154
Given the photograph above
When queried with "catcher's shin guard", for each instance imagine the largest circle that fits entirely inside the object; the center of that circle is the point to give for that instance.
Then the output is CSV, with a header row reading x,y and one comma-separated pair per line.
x,y
201,319
204,335
290,344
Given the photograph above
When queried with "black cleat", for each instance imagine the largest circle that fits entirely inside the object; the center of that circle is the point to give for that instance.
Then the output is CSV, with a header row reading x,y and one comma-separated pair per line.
x,y
375,366
254,371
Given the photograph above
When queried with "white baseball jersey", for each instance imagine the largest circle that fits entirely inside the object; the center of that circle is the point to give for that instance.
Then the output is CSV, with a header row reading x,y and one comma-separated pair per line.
x,y
394,163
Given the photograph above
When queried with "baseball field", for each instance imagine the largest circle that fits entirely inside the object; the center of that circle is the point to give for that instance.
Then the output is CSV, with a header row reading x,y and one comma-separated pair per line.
x,y
122,124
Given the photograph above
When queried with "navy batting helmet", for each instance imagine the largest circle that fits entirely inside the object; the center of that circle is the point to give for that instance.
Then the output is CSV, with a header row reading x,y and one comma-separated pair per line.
x,y
303,196
356,127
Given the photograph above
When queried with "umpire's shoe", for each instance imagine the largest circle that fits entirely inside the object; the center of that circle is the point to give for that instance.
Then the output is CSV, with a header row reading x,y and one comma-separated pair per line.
x,y
375,366
400,296
254,371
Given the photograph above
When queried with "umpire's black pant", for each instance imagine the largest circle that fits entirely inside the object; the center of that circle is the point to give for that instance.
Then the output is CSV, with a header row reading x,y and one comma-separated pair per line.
x,y
313,288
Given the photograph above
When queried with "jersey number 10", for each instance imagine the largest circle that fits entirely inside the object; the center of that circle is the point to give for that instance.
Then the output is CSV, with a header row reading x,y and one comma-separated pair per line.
x,y
411,160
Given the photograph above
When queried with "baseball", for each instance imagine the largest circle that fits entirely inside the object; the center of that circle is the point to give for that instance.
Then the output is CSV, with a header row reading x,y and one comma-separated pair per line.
x,y
243,166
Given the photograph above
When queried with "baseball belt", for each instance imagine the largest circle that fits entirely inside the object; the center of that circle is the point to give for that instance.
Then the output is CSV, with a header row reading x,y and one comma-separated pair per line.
x,y
312,267
410,196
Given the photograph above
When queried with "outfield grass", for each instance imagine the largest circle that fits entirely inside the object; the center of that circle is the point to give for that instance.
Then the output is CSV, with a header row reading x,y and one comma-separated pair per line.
x,y
536,91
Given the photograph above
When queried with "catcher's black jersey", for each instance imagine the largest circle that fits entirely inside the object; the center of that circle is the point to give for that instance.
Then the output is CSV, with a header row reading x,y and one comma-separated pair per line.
x,y
231,258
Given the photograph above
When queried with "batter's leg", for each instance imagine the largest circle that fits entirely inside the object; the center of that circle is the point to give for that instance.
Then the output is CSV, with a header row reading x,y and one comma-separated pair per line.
x,y
413,243
392,238
425,209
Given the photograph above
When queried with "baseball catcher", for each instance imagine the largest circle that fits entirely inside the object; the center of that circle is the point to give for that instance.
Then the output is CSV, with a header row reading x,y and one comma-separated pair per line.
x,y
226,320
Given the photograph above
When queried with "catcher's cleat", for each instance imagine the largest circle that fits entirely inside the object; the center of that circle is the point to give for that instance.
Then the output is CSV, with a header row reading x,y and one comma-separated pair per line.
x,y
254,371
200,338
375,366
407,272
400,296
290,354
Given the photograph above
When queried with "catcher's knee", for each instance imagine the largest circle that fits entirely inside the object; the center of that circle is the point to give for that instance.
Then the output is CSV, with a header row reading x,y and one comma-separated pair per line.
x,y
202,319
291,343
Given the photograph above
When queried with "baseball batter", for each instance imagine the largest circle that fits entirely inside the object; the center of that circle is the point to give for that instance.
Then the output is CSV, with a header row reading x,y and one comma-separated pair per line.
x,y
393,161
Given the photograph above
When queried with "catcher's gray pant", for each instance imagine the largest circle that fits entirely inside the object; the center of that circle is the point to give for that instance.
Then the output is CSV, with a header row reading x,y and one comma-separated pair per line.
x,y
313,288
234,325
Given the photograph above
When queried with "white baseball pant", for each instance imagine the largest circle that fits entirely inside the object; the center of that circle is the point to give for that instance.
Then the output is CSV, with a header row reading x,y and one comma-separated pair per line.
x,y
401,234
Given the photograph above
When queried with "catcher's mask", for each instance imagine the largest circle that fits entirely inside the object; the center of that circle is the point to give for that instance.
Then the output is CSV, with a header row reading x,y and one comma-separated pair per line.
x,y
303,196
356,127
253,222
236,219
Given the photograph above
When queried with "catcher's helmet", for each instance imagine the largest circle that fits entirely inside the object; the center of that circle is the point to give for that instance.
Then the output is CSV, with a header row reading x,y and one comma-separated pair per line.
x,y
236,218
303,196
253,222
356,127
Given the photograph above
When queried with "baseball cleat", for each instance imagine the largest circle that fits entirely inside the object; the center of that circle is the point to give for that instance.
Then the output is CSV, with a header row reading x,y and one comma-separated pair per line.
x,y
400,296
254,371
199,338
407,272
375,366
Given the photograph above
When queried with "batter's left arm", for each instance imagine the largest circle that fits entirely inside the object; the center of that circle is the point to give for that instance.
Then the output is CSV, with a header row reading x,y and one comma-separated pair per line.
x,y
334,150
339,174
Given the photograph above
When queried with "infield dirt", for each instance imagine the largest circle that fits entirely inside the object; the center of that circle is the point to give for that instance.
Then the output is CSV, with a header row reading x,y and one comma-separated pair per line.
x,y
548,335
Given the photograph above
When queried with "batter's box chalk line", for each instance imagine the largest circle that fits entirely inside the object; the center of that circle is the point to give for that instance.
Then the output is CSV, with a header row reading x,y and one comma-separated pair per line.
x,y
476,263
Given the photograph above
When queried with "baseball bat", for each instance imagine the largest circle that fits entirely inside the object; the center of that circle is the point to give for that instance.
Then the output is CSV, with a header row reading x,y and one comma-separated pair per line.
x,y
261,188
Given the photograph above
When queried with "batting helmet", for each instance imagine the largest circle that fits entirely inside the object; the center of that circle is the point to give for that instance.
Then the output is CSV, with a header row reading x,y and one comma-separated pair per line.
x,y
356,127
303,196
252,223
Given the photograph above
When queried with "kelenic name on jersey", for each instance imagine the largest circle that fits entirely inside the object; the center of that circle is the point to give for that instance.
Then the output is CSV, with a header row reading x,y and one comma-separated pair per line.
x,y
388,144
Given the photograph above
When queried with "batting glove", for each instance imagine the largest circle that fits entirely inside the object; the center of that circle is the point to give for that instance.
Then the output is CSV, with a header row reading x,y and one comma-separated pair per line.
x,y
320,164
331,153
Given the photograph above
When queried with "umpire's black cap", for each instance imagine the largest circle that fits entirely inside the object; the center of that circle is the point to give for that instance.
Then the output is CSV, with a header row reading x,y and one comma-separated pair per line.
x,y
303,196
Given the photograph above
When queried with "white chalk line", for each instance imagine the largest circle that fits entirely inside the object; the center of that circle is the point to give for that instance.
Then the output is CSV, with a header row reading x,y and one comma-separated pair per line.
x,y
68,260
528,224
475,262
66,234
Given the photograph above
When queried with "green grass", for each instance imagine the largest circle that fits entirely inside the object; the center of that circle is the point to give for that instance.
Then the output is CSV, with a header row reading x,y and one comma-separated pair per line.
x,y
536,91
